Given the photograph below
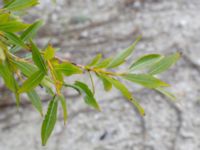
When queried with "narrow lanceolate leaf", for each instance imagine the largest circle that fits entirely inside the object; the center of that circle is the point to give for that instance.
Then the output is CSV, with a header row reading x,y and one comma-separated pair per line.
x,y
145,61
164,64
49,121
121,57
103,64
33,81
14,39
7,75
96,59
31,31
13,26
35,100
68,69
37,58
145,80
73,87
28,34
26,68
49,52
118,85
88,95
107,85
64,107
123,89
166,93
16,5
9,80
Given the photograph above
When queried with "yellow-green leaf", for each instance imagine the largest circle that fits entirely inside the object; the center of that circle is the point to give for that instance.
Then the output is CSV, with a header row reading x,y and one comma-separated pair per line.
x,y
16,5
166,93
123,89
118,85
121,57
9,80
145,80
4,17
164,64
12,26
103,64
49,52
31,31
37,58
14,39
35,100
64,107
96,59
26,68
28,34
88,95
145,61
7,75
49,120
68,69
33,81
107,85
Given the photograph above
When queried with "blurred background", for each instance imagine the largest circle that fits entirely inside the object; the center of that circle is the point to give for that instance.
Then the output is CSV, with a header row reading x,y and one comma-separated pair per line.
x,y
83,28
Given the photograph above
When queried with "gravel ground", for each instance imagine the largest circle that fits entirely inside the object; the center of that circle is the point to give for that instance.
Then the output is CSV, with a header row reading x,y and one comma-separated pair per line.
x,y
84,28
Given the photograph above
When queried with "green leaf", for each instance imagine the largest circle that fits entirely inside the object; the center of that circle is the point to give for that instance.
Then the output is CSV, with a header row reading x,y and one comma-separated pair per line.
x,y
145,61
107,85
9,80
73,87
49,121
118,85
4,17
145,80
166,93
96,59
103,64
64,107
122,88
26,68
49,52
14,39
37,58
7,75
89,97
139,108
164,64
28,34
16,5
31,31
12,26
33,81
35,100
68,69
121,57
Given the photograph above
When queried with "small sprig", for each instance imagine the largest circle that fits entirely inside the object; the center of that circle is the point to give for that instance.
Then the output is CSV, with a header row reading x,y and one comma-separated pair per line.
x,y
44,69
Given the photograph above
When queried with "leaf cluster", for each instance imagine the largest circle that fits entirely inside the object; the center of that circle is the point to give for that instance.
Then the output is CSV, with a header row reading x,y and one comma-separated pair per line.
x,y
43,69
